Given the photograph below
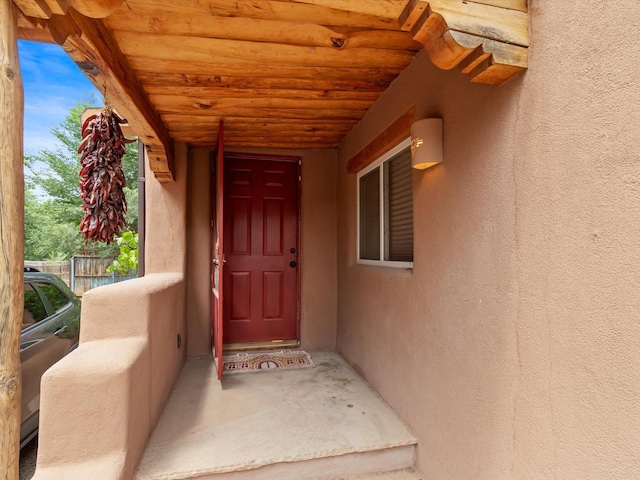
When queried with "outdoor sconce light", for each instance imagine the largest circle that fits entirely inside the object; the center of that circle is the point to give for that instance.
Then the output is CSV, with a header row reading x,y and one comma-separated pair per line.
x,y
426,143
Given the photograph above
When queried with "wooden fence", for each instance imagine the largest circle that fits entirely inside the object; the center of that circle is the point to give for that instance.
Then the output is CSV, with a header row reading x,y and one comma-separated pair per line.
x,y
62,269
82,273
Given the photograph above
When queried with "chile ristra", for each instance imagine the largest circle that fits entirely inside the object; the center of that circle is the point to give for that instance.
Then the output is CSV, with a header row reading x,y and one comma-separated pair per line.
x,y
101,177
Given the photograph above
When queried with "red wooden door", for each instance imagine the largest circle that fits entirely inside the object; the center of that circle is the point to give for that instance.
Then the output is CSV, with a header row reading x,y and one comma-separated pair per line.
x,y
261,248
217,252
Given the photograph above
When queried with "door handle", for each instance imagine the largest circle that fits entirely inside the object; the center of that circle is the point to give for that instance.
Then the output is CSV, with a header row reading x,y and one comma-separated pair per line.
x,y
60,330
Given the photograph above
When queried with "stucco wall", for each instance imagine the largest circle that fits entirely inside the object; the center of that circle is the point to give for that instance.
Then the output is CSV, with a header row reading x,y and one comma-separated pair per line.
x,y
113,387
512,348
166,218
317,252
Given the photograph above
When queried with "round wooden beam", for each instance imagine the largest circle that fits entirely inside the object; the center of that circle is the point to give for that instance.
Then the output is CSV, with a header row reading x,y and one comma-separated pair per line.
x,y
11,240
96,8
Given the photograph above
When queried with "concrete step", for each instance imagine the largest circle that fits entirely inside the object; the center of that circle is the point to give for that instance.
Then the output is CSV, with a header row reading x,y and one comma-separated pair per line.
x,y
390,464
408,474
322,423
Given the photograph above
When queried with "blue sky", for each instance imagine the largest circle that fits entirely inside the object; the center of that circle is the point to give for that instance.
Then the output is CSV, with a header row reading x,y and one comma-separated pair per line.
x,y
52,85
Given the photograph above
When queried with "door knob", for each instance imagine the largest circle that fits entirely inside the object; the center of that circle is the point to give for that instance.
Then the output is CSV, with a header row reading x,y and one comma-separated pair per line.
x,y
292,264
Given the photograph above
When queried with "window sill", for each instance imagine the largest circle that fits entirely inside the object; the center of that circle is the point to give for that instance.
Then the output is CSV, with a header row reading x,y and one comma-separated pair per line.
x,y
386,268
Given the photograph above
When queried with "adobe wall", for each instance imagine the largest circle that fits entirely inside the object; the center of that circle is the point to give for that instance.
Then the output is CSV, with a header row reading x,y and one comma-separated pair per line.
x,y
317,252
512,348
128,358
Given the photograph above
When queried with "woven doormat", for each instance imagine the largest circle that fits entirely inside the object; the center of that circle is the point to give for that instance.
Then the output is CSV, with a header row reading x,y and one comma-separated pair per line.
x,y
261,362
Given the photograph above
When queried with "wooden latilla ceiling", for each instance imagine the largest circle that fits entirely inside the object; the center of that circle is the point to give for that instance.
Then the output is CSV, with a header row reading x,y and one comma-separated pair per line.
x,y
281,73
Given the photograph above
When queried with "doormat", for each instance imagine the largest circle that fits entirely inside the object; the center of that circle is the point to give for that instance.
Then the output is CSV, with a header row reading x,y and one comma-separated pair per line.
x,y
266,361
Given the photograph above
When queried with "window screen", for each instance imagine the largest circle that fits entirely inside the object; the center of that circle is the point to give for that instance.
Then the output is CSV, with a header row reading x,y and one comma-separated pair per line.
x,y
399,208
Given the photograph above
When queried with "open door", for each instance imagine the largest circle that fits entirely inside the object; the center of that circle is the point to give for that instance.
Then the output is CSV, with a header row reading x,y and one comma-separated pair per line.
x,y
217,255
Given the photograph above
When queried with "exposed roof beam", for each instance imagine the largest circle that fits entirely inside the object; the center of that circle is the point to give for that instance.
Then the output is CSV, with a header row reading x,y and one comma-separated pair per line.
x,y
485,40
92,46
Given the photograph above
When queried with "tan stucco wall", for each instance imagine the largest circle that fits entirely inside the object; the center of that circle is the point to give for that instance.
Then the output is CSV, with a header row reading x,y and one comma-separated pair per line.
x,y
112,388
512,348
317,252
166,218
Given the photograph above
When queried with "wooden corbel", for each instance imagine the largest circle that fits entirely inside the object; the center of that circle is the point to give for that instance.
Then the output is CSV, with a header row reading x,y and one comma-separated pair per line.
x,y
484,39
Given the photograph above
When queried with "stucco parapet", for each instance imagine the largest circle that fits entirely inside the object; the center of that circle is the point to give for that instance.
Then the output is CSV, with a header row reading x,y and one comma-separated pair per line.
x,y
101,376
125,309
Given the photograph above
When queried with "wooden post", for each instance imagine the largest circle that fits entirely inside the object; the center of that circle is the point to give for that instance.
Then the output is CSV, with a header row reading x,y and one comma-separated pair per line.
x,y
11,240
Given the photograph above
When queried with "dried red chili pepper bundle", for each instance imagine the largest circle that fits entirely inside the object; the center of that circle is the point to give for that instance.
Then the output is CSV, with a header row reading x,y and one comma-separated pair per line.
x,y
101,177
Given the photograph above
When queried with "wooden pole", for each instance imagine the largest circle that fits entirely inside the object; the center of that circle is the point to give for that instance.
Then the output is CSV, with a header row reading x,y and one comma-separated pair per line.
x,y
11,240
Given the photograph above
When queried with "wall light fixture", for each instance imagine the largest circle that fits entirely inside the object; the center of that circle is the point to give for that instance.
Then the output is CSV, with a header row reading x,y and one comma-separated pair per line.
x,y
426,143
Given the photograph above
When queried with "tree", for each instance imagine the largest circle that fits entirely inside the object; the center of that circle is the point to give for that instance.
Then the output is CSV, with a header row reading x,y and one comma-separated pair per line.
x,y
127,259
52,219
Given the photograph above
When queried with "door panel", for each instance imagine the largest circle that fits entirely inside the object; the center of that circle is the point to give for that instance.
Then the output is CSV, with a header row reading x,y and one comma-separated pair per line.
x,y
240,296
261,227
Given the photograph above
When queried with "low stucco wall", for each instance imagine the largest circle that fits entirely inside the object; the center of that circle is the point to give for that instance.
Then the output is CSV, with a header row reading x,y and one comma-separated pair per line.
x,y
317,252
100,403
512,347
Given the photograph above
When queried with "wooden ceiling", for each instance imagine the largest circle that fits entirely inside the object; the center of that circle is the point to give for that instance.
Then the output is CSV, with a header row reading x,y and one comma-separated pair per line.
x,y
281,73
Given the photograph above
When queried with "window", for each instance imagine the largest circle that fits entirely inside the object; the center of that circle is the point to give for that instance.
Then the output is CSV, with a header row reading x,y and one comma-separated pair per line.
x,y
385,210
34,309
54,295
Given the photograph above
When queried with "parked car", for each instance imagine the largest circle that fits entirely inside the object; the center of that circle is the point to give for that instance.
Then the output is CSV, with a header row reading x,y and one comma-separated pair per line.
x,y
50,330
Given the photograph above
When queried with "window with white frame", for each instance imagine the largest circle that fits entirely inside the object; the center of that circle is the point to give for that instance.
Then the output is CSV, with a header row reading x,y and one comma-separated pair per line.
x,y
385,209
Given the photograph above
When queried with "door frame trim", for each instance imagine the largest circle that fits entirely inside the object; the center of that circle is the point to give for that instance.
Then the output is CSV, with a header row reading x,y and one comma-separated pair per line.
x,y
291,159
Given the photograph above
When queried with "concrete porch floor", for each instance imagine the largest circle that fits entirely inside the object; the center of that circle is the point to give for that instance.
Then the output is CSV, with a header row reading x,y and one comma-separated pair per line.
x,y
316,423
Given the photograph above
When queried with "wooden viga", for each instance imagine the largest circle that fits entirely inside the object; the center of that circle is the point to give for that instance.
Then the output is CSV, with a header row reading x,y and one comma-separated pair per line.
x,y
486,39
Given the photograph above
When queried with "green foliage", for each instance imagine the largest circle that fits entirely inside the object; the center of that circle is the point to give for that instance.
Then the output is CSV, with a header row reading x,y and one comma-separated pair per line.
x,y
53,208
128,257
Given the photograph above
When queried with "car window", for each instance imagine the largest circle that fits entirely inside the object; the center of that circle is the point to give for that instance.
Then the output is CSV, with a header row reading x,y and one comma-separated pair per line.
x,y
34,309
54,295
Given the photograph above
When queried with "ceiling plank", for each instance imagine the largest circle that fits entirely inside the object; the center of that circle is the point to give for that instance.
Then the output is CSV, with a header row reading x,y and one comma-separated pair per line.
x,y
216,93
97,54
281,130
386,9
244,137
213,50
189,104
267,10
153,81
270,145
520,5
257,30
233,121
372,75
281,113
34,8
